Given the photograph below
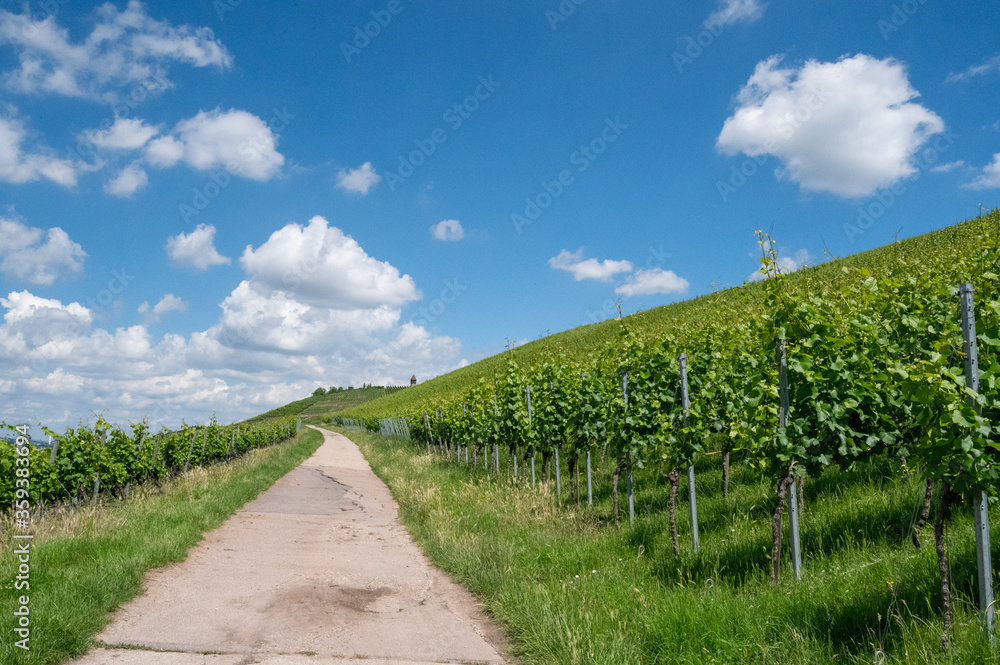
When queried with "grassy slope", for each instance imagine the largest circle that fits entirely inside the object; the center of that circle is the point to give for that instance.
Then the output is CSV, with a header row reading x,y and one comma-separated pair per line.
x,y
742,300
86,563
328,403
571,588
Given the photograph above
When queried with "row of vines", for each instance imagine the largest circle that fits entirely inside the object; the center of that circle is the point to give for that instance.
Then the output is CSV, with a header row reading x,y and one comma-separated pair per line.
x,y
874,363
104,458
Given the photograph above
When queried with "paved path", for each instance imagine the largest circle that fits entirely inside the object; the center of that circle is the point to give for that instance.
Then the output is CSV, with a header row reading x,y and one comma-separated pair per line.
x,y
316,571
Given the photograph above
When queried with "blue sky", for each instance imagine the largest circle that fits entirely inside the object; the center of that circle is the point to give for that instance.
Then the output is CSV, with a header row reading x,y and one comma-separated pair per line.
x,y
218,206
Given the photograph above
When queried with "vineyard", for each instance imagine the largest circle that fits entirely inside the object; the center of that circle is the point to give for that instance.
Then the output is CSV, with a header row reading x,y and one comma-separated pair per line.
x,y
888,365
104,458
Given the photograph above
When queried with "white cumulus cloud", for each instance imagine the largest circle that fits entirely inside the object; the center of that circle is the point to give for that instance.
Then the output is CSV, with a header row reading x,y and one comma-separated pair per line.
x,y
195,249
654,281
848,127
235,140
36,256
127,181
324,266
18,165
588,268
448,230
125,49
123,134
275,341
989,178
359,180
168,303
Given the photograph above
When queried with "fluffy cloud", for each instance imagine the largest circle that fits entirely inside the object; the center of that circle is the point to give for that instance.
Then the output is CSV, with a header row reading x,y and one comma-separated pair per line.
x,y
990,66
990,176
168,303
588,268
733,11
239,141
127,181
19,166
448,230
656,280
125,49
124,134
274,342
949,167
50,318
235,140
358,180
195,249
36,256
325,267
848,127
312,291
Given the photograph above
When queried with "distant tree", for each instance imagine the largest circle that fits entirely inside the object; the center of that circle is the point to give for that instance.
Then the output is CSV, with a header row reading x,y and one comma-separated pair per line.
x,y
318,392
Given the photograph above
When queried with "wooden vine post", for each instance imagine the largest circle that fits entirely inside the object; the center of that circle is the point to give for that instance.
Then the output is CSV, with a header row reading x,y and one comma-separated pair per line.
x,y
686,405
979,503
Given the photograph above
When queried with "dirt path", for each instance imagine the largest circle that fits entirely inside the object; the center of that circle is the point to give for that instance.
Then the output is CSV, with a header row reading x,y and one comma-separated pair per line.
x,y
316,571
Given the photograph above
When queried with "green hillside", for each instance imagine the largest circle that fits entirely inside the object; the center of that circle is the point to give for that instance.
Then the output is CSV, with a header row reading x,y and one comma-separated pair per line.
x,y
315,405
741,301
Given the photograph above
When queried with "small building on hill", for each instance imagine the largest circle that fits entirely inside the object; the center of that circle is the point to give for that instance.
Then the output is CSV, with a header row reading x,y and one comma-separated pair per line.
x,y
413,380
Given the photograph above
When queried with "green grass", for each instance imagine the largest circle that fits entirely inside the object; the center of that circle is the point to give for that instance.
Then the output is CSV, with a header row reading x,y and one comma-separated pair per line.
x,y
315,405
865,587
86,563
